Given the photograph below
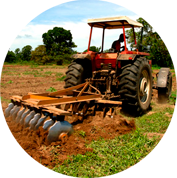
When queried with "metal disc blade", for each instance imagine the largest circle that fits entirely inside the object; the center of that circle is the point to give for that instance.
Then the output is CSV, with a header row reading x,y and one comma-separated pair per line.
x,y
8,109
33,121
24,115
20,114
57,129
48,123
12,110
40,122
14,115
28,118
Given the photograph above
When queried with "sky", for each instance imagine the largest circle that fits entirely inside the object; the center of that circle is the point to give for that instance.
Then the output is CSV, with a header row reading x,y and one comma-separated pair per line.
x,y
73,16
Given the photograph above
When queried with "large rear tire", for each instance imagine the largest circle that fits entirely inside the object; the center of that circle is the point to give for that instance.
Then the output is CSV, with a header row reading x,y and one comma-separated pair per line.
x,y
74,75
135,87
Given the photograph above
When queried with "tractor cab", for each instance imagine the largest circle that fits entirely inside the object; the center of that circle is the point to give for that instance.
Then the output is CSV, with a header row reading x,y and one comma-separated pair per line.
x,y
110,57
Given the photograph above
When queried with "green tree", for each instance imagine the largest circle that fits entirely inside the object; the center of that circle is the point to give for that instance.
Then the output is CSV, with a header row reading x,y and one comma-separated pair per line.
x,y
158,52
58,41
39,55
10,57
94,49
26,53
18,54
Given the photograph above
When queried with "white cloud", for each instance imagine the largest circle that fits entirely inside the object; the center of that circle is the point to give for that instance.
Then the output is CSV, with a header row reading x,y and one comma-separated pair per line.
x,y
16,33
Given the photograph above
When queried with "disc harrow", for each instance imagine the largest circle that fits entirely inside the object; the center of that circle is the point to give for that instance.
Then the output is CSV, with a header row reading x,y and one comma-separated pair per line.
x,y
48,110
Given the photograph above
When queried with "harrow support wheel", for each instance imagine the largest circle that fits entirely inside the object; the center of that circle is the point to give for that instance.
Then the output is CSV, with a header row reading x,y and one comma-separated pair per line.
x,y
164,93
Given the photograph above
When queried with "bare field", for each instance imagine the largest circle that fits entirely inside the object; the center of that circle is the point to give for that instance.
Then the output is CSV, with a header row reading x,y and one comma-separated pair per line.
x,y
19,80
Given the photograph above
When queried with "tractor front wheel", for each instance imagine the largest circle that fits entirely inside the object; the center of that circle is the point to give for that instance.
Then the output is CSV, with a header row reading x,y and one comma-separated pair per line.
x,y
74,75
135,87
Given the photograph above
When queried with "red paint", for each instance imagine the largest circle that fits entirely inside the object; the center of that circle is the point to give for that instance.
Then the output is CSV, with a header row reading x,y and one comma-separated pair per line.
x,y
90,38
134,34
99,60
119,64
124,37
135,52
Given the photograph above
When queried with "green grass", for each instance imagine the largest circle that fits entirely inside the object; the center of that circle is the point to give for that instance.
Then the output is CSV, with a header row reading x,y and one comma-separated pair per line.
x,y
5,100
115,155
173,97
156,122
109,156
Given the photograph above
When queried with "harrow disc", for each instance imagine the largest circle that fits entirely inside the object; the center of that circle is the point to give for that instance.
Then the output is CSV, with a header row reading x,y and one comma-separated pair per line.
x,y
48,124
13,110
23,116
57,129
28,118
34,121
14,114
8,109
40,122
19,115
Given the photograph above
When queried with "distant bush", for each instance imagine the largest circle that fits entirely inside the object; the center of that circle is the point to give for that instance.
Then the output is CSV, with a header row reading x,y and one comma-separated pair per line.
x,y
40,56
10,57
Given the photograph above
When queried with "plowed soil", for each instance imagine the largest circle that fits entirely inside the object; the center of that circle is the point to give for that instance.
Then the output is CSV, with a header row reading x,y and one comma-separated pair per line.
x,y
15,81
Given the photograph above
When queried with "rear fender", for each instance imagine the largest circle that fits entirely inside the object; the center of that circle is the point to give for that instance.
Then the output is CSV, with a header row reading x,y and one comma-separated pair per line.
x,y
162,77
81,56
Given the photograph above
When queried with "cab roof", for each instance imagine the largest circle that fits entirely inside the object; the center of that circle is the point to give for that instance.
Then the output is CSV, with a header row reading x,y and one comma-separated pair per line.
x,y
113,22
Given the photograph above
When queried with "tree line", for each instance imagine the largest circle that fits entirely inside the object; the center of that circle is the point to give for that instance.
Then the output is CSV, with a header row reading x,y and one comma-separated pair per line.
x,y
58,47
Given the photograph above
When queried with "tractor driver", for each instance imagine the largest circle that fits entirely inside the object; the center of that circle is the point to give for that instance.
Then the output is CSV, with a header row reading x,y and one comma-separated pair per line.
x,y
116,44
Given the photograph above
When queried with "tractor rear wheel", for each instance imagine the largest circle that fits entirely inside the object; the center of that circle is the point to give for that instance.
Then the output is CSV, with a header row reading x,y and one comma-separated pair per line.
x,y
74,75
135,87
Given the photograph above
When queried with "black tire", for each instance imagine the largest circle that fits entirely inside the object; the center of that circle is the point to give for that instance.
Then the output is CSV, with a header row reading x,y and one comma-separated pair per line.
x,y
165,93
74,75
135,87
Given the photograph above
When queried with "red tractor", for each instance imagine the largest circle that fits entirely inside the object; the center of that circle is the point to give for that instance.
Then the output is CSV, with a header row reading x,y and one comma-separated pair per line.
x,y
119,74
94,81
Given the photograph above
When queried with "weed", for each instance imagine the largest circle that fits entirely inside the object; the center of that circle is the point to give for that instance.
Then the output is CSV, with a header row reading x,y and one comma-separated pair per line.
x,y
61,78
34,66
3,85
10,81
27,73
51,89
58,74
82,133
48,73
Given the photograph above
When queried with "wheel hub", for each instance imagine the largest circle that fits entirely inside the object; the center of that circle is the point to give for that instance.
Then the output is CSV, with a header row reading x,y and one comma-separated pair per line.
x,y
143,86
